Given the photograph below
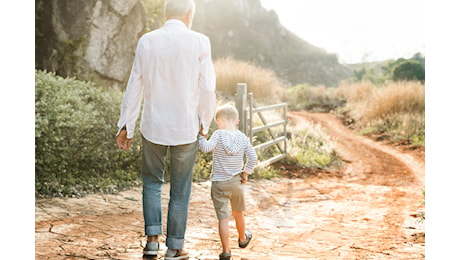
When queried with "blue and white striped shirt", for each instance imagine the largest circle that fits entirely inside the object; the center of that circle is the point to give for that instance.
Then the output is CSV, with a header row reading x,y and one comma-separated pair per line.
x,y
229,149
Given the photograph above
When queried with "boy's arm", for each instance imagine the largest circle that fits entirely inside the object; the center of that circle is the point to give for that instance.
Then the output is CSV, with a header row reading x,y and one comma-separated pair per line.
x,y
251,158
208,145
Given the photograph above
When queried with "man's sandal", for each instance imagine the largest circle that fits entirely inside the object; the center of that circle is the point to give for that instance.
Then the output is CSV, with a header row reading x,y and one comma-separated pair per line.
x,y
225,256
151,249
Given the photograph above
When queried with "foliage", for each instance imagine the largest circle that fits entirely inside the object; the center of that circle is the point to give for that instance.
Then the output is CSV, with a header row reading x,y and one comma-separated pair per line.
x,y
312,147
380,73
397,108
373,72
267,172
358,74
75,146
390,65
306,97
154,14
421,215
408,70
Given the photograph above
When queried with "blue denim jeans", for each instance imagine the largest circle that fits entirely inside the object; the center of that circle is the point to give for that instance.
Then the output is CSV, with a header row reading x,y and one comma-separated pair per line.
x,y
181,170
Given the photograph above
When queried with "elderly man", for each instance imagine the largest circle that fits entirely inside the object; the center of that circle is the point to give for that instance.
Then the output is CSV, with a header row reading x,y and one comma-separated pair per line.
x,y
173,70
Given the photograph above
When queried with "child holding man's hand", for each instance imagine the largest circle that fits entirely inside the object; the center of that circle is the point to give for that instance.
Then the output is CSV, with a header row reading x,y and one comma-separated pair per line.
x,y
229,173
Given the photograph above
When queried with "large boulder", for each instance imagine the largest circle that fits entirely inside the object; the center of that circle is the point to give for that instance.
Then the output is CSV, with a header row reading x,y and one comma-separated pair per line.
x,y
91,40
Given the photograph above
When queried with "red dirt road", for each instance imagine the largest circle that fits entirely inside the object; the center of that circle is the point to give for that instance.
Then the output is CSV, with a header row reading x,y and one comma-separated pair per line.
x,y
368,210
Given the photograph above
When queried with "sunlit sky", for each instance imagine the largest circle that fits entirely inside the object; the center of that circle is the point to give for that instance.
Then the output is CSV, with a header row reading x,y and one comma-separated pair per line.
x,y
356,30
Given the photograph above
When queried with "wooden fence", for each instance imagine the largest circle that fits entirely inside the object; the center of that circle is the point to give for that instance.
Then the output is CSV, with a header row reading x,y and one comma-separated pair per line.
x,y
245,104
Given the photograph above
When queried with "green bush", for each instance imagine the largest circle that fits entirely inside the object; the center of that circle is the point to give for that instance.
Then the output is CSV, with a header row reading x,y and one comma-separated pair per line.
x,y
408,70
75,147
312,147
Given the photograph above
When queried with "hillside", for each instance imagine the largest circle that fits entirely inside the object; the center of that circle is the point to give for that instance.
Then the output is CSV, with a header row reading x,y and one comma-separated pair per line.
x,y
95,40
245,30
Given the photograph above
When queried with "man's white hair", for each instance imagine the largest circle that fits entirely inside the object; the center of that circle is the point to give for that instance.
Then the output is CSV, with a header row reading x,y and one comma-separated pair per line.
x,y
178,8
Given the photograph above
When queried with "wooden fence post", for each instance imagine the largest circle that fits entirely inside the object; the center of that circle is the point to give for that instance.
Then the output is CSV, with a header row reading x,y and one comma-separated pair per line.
x,y
240,103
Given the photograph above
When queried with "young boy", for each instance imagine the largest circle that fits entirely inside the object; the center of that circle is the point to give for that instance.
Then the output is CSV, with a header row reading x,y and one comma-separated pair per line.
x,y
229,146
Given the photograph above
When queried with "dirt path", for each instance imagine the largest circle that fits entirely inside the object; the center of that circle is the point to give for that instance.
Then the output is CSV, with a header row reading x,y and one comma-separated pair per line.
x,y
367,211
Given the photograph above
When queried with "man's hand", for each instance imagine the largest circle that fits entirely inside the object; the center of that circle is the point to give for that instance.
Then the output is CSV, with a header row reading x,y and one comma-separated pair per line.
x,y
201,132
244,175
122,141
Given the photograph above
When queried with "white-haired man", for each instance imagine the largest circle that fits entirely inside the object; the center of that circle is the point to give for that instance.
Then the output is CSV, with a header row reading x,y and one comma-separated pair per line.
x,y
173,70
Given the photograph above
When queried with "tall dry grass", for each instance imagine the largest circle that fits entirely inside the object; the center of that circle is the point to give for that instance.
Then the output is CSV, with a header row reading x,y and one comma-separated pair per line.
x,y
356,92
263,83
397,107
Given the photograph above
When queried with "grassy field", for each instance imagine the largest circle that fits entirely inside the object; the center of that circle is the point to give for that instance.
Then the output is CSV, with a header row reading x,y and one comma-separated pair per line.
x,y
397,108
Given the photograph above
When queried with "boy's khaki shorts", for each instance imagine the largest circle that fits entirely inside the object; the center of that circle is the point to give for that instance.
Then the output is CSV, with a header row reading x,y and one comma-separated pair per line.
x,y
225,192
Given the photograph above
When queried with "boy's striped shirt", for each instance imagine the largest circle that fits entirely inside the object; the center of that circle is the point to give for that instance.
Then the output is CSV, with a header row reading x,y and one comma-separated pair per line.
x,y
229,149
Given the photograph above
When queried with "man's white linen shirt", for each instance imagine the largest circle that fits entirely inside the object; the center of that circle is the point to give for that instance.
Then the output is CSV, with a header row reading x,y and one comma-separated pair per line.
x,y
173,69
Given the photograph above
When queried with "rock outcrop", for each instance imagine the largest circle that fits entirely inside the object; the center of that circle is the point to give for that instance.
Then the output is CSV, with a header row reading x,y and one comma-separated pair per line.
x,y
92,39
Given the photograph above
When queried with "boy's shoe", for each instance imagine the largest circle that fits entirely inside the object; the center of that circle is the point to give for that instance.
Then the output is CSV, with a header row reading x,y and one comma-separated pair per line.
x,y
225,256
151,249
245,243
173,254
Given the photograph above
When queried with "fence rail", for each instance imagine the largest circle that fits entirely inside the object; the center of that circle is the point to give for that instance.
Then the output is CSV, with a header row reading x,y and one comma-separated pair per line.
x,y
246,109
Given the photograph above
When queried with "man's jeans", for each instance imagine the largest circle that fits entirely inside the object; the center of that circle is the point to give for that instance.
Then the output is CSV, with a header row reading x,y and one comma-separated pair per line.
x,y
181,171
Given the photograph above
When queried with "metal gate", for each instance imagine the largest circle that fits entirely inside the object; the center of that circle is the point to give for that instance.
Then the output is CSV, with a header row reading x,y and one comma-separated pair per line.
x,y
246,108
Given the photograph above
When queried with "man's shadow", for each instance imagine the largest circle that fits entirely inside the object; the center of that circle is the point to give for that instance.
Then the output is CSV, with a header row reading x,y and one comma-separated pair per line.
x,y
149,257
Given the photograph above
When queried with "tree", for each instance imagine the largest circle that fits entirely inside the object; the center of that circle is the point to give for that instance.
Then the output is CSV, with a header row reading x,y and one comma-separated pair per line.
x,y
359,73
418,57
408,70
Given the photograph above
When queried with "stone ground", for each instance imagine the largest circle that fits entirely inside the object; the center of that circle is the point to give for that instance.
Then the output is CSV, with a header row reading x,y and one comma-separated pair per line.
x,y
367,210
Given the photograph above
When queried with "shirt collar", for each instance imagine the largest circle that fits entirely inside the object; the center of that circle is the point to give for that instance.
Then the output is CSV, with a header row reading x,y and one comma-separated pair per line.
x,y
175,23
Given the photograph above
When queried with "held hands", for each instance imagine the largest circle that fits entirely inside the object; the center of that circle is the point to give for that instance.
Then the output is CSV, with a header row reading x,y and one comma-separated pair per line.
x,y
201,132
122,141
244,175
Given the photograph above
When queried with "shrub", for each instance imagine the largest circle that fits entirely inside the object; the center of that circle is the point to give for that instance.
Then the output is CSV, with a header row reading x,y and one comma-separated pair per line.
x,y
267,172
319,98
356,92
263,83
312,147
75,147
396,98
408,70
397,108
